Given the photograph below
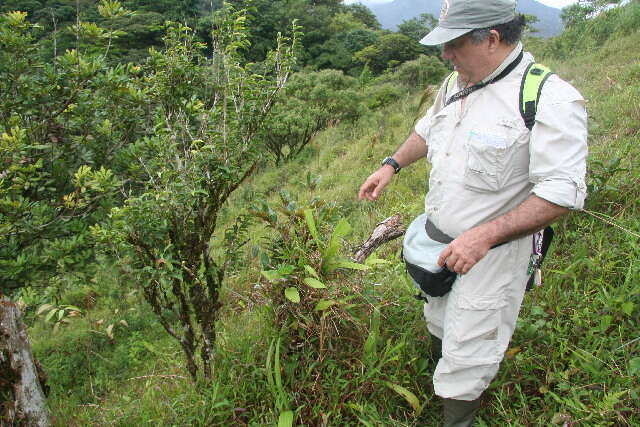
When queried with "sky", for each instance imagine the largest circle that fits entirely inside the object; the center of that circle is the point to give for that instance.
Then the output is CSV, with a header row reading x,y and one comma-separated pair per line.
x,y
559,4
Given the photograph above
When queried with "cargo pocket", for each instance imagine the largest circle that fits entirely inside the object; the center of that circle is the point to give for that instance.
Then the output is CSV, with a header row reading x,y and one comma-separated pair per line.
x,y
476,329
494,157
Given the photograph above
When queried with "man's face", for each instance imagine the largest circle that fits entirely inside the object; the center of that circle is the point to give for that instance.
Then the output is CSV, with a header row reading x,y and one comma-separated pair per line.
x,y
469,59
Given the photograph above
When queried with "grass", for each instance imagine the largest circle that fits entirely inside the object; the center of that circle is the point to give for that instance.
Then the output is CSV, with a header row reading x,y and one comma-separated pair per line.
x,y
574,358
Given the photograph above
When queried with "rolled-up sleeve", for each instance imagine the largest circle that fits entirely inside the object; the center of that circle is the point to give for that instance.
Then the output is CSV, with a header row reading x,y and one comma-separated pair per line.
x,y
558,147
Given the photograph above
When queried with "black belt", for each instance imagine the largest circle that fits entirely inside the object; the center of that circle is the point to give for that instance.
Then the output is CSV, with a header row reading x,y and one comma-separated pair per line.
x,y
439,236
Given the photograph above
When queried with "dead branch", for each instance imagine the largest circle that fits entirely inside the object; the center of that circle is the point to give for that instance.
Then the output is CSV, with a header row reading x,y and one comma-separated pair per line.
x,y
387,230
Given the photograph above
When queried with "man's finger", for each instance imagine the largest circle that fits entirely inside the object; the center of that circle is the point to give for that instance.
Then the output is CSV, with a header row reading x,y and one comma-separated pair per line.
x,y
458,267
444,255
364,190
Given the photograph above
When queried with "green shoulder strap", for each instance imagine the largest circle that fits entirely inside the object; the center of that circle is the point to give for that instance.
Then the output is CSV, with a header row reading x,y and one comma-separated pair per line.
x,y
530,88
532,81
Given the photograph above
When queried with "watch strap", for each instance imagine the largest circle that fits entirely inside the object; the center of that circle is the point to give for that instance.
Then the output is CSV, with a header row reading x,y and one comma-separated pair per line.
x,y
391,162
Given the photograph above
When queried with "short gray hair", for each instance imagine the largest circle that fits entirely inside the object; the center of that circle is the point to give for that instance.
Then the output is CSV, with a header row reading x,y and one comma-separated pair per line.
x,y
510,32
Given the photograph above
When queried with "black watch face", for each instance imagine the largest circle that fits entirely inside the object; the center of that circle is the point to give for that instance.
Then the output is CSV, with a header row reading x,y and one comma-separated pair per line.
x,y
389,161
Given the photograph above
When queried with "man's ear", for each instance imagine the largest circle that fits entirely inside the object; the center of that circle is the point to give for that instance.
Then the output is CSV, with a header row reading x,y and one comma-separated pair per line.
x,y
494,40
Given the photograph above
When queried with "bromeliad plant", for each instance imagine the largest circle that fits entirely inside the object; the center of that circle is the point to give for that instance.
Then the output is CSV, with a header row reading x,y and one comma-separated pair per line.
x,y
204,113
301,260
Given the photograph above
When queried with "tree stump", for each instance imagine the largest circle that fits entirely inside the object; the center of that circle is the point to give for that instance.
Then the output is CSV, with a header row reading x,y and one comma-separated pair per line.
x,y
387,230
22,401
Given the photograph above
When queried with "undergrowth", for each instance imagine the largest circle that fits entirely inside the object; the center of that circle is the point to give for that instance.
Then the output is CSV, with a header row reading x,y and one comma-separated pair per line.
x,y
574,358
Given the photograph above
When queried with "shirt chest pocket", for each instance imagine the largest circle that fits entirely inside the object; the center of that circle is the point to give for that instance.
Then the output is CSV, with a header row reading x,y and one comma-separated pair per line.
x,y
496,157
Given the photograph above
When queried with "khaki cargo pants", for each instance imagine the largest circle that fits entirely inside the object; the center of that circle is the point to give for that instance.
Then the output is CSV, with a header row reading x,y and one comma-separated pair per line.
x,y
476,320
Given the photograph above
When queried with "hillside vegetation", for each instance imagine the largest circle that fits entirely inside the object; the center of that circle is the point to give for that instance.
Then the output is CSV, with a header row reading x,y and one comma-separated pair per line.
x,y
303,336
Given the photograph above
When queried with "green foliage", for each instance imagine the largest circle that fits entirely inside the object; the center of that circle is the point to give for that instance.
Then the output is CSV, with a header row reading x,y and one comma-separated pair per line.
x,y
362,14
586,33
338,52
576,14
55,182
417,28
205,115
300,261
58,315
389,51
379,96
353,349
310,102
421,72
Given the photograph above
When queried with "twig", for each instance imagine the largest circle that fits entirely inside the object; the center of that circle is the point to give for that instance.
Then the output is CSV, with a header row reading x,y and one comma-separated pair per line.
x,y
607,221
626,344
157,376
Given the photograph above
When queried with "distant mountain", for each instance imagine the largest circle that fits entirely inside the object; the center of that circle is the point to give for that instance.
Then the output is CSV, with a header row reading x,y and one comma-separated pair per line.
x,y
393,13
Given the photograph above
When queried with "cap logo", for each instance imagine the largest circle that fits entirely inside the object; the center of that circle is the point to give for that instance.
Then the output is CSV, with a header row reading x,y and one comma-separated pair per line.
x,y
444,11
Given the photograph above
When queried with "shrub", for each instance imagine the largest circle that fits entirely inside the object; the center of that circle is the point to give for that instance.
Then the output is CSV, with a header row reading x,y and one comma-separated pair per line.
x,y
204,114
310,102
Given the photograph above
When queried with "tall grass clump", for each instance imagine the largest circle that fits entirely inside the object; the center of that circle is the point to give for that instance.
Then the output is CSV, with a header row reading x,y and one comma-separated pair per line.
x,y
593,32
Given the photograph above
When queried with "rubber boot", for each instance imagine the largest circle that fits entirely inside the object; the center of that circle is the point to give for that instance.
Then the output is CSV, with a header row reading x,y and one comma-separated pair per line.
x,y
436,348
459,413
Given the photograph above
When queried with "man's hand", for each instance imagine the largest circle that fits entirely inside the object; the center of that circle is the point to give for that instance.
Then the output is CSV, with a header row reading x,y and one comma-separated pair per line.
x,y
465,251
373,185
471,246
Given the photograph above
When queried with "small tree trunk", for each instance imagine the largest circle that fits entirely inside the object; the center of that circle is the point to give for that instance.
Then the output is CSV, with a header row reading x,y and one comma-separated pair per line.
x,y
389,229
22,401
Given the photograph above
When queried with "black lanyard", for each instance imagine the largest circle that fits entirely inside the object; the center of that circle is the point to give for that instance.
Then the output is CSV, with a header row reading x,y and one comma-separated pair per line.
x,y
469,90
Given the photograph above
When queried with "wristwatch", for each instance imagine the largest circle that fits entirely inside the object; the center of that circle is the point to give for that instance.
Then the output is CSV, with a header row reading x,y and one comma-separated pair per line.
x,y
391,162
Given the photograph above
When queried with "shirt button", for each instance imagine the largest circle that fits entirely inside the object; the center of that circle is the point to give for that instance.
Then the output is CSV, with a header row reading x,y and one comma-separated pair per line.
x,y
448,154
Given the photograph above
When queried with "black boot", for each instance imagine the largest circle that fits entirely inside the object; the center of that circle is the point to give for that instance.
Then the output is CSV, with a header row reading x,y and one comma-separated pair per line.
x,y
460,413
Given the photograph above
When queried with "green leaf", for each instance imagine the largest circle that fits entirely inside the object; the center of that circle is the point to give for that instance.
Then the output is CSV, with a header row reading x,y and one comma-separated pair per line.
x,y
292,295
627,307
285,419
272,275
373,260
150,348
351,265
408,396
311,271
314,283
311,224
324,304
43,308
634,366
342,229
372,339
50,315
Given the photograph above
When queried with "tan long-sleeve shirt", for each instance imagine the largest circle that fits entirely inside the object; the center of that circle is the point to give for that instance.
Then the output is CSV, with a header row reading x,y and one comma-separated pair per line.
x,y
484,160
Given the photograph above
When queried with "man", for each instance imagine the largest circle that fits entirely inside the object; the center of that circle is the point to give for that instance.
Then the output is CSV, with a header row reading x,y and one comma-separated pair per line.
x,y
493,184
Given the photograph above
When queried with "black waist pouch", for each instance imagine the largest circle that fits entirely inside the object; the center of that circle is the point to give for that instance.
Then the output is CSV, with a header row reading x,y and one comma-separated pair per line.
x,y
433,284
422,245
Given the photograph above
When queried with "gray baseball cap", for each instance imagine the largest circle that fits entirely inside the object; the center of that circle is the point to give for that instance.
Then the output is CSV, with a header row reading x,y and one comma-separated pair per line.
x,y
458,17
